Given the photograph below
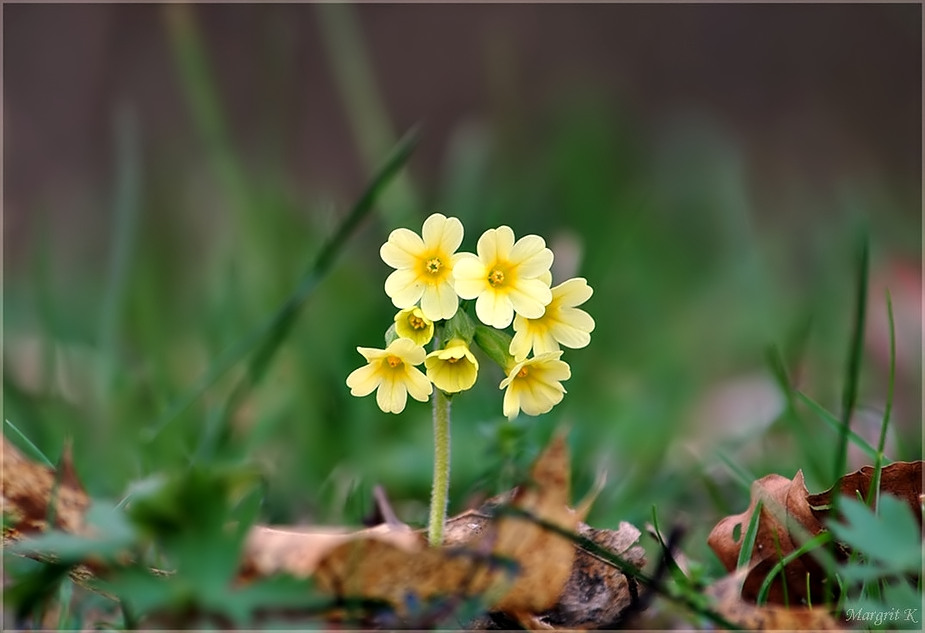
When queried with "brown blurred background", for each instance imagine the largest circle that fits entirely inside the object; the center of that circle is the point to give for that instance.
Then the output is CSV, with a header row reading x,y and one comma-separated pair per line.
x,y
813,94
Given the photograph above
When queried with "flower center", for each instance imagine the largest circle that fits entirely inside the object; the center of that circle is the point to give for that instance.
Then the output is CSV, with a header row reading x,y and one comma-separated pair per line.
x,y
522,373
416,322
452,361
393,361
496,278
433,265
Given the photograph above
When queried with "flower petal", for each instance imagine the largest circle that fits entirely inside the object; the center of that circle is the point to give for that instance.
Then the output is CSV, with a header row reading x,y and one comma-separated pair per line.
x,y
527,247
364,380
442,233
573,292
573,329
439,301
495,244
523,339
511,404
544,342
530,297
470,278
402,250
406,349
392,395
419,387
536,266
371,353
405,288
541,397
494,309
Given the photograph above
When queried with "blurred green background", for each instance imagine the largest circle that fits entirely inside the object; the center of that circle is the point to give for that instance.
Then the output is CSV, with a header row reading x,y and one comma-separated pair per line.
x,y
171,171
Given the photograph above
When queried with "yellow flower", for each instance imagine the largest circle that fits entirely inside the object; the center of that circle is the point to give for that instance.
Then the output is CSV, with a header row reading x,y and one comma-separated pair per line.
x,y
424,266
535,385
453,368
392,374
562,323
411,323
505,277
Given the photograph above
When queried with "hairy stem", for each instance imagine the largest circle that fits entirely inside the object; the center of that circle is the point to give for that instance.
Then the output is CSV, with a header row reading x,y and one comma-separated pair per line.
x,y
441,485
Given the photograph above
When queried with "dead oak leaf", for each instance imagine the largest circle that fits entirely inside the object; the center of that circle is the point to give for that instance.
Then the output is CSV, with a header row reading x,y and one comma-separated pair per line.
x,y
900,479
473,561
726,596
28,489
789,517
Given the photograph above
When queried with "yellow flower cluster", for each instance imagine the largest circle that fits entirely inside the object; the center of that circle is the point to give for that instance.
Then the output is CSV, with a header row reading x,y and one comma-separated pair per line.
x,y
510,282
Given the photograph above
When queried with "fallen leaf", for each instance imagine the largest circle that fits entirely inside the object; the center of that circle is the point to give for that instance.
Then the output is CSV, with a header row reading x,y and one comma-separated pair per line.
x,y
726,595
298,550
789,517
598,593
900,479
471,562
28,489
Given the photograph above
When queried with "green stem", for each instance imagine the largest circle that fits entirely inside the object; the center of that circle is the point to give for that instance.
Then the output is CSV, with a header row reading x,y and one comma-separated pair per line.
x,y
441,486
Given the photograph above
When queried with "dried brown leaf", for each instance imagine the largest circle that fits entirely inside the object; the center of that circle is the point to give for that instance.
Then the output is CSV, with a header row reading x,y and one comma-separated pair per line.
x,y
28,488
727,601
471,561
789,517
298,550
900,479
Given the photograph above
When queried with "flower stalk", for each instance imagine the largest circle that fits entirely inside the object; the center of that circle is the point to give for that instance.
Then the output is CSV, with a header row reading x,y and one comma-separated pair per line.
x,y
441,485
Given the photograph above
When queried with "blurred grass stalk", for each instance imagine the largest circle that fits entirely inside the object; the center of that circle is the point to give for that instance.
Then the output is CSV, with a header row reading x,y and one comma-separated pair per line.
x,y
366,111
198,85
126,210
262,342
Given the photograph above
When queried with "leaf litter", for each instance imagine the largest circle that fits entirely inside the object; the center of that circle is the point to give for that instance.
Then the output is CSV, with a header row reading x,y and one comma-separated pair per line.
x,y
517,569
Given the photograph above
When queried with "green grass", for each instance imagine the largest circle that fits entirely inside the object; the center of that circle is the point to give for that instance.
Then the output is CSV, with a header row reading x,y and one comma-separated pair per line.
x,y
220,362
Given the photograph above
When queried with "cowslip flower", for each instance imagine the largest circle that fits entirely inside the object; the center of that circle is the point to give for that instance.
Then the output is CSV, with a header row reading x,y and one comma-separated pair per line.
x,y
505,277
562,323
453,368
411,323
535,385
424,266
391,372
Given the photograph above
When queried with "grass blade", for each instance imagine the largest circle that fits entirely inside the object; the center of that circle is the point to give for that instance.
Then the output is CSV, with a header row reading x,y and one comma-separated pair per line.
x,y
808,546
126,207
271,333
873,495
187,48
742,474
855,350
369,120
28,445
837,425
748,542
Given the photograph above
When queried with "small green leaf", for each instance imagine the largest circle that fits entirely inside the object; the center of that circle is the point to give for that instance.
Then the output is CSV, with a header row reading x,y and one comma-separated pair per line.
x,y
891,540
459,326
495,344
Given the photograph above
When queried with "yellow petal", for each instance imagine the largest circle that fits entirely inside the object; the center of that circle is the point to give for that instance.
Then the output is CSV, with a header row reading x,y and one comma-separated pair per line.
x,y
494,309
530,297
470,276
439,301
402,250
406,349
404,287
392,395
363,380
573,292
419,387
443,233
511,404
